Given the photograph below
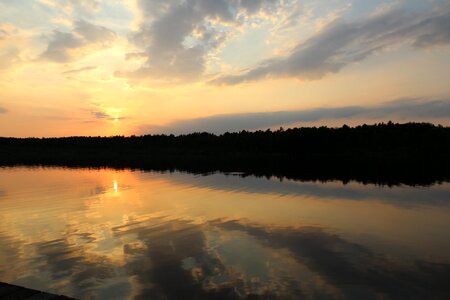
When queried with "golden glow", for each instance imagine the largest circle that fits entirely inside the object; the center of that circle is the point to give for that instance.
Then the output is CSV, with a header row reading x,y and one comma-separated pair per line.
x,y
94,84
152,194
87,217
115,186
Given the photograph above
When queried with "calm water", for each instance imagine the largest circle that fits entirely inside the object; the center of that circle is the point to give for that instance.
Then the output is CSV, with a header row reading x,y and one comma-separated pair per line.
x,y
108,234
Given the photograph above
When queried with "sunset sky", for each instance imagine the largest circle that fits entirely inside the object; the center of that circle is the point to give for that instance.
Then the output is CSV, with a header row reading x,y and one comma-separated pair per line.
x,y
122,67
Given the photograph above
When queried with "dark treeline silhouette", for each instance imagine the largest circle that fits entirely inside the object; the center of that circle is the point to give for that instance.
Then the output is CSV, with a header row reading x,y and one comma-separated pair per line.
x,y
412,153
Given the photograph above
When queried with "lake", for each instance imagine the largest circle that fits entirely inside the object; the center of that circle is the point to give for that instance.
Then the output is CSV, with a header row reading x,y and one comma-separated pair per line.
x,y
123,234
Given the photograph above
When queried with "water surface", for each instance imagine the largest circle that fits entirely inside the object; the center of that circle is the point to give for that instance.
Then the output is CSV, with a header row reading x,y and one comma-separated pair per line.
x,y
109,234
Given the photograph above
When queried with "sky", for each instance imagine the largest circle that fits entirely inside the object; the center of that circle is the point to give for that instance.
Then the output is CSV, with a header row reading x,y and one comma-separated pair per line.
x,y
124,67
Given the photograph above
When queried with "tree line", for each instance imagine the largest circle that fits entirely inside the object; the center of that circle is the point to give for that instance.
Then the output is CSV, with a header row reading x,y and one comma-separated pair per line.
x,y
383,150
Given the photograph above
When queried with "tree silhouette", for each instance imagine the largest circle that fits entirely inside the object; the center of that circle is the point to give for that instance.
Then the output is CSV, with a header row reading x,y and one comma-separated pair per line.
x,y
406,153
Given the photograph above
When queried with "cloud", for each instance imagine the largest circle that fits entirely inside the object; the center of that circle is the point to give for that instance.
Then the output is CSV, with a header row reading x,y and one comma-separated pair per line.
x,y
3,110
342,263
106,116
156,260
78,7
85,5
404,109
80,70
64,260
9,46
3,34
61,47
135,55
9,56
177,36
93,33
11,250
342,43
68,46
101,115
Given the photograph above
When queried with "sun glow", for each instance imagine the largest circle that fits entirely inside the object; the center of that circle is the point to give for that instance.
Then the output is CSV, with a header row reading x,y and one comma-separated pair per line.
x,y
61,75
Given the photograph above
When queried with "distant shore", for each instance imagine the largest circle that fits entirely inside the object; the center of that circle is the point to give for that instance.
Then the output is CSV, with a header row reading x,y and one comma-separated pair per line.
x,y
411,153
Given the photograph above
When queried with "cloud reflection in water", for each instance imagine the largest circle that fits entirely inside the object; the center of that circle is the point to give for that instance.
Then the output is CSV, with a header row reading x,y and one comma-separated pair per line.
x,y
180,236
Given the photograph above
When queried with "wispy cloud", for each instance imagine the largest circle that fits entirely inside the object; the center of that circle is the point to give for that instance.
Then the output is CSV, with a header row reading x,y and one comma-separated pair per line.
x,y
342,43
106,116
79,70
3,34
9,56
412,109
9,51
64,47
74,7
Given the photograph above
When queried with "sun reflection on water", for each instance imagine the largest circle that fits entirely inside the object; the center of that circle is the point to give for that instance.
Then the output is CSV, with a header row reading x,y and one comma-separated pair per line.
x,y
180,236
115,186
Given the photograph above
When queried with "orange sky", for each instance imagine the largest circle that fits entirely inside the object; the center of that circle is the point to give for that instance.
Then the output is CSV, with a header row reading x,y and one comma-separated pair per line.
x,y
96,67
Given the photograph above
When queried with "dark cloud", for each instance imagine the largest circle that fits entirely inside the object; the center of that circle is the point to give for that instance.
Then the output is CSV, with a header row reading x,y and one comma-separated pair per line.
x,y
66,46
177,36
58,49
156,259
252,6
167,274
342,43
411,109
101,115
93,33
172,259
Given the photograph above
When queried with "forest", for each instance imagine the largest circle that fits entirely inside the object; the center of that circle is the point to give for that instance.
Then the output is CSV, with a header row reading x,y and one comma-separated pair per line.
x,y
411,153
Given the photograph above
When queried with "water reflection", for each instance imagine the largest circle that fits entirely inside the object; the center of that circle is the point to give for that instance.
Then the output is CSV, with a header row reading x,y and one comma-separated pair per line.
x,y
131,235
115,186
353,270
400,195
